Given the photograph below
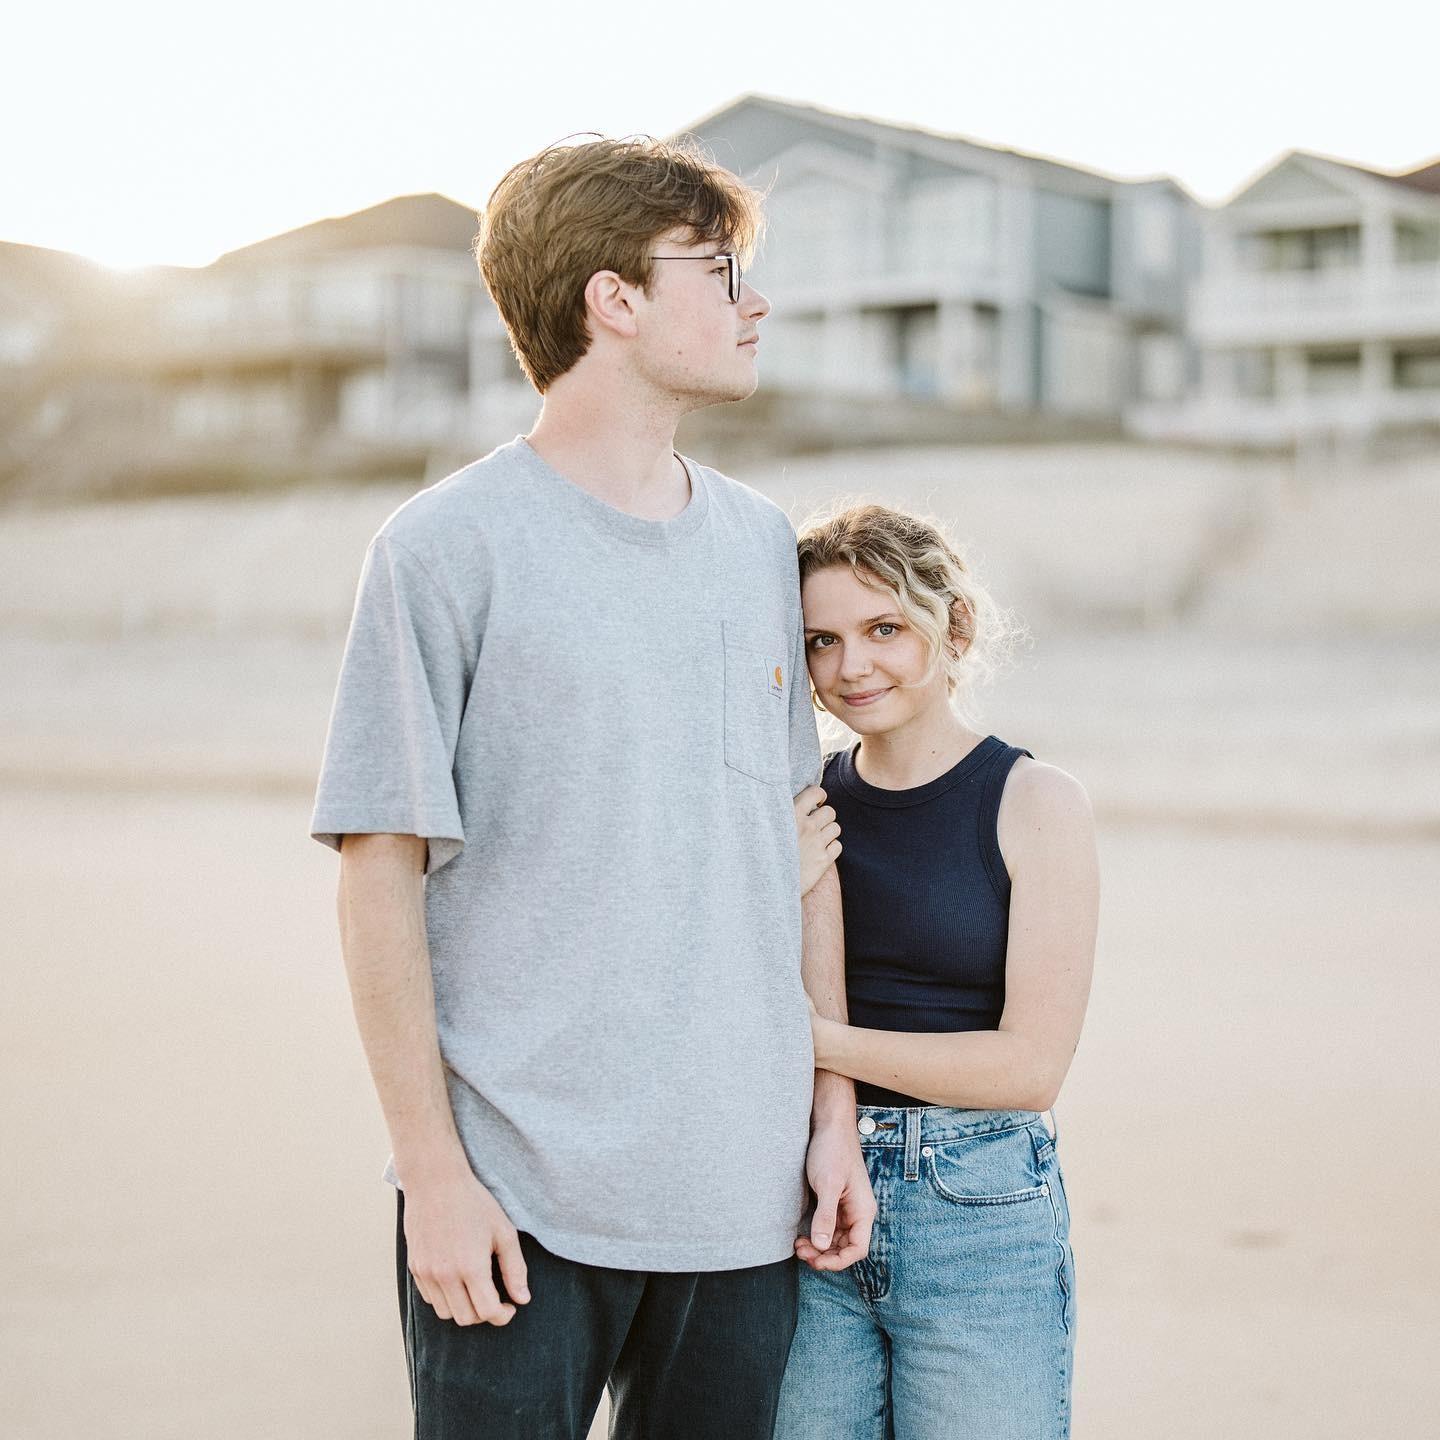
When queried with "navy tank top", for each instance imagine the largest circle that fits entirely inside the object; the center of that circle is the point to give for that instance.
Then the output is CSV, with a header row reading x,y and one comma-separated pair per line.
x,y
926,898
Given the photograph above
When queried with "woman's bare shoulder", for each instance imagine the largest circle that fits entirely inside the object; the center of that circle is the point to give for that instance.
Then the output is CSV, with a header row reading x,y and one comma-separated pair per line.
x,y
1042,802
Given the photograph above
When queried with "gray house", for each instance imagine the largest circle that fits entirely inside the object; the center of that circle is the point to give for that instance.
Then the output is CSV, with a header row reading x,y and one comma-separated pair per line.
x,y
904,262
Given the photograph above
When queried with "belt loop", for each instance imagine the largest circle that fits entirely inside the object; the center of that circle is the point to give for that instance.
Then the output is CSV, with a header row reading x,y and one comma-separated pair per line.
x,y
1054,1127
912,1144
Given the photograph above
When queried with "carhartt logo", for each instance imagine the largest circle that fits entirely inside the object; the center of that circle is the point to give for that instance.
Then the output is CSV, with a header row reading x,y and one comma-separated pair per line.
x,y
777,681
779,676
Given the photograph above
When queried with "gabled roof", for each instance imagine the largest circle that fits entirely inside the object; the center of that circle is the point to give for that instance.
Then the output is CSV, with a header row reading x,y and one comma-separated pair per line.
x,y
1423,177
1348,173
431,222
937,143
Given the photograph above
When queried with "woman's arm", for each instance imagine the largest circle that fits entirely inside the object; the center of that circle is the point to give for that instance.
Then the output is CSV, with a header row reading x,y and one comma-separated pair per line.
x,y
1047,837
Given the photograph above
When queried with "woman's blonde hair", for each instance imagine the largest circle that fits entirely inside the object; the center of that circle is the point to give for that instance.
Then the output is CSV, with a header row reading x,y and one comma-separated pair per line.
x,y
968,635
556,219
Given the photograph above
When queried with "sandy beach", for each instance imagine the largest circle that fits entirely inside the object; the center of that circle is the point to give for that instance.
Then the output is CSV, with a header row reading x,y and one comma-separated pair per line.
x,y
198,1238
200,1242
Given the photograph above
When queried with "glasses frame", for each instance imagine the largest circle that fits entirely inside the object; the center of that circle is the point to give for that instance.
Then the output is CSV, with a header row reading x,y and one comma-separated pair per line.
x,y
733,272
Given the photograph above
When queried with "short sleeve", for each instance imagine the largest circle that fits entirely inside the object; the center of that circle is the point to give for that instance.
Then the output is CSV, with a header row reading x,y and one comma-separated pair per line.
x,y
804,739
389,759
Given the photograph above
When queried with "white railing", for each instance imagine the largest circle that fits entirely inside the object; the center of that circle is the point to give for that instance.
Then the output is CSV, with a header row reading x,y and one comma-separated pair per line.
x,y
1234,419
1312,305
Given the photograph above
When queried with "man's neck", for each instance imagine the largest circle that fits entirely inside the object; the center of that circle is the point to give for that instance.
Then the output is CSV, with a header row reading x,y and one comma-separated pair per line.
x,y
620,455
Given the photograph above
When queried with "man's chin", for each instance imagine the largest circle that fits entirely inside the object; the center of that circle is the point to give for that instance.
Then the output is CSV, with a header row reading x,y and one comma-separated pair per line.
x,y
731,396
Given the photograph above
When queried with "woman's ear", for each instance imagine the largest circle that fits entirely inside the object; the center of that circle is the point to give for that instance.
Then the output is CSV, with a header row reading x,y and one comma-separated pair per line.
x,y
962,626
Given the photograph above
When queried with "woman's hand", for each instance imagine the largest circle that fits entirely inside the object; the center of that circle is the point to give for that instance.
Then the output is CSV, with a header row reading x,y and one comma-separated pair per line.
x,y
818,834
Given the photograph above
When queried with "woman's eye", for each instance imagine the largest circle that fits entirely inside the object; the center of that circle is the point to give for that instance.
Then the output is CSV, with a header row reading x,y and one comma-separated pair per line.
x,y
883,628
820,642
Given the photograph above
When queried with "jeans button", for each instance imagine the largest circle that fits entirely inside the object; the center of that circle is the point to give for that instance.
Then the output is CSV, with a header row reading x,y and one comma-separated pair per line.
x,y
927,1150
865,1125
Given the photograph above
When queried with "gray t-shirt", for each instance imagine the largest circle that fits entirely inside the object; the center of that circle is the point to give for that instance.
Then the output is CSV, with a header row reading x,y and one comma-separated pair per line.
x,y
598,722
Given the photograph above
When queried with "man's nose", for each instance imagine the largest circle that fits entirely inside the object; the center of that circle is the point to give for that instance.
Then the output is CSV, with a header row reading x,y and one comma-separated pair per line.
x,y
752,303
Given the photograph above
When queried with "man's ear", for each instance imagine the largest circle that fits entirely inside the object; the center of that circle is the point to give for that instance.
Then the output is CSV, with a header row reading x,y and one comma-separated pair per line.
x,y
609,304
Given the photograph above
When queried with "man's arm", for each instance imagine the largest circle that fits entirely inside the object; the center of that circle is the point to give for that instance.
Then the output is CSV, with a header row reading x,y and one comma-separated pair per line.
x,y
844,1204
453,1225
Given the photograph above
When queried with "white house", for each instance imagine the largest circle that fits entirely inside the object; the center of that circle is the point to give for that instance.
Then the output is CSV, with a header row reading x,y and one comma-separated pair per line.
x,y
339,348
1318,310
900,261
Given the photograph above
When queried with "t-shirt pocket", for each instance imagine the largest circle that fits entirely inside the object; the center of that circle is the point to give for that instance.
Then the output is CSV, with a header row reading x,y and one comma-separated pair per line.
x,y
756,706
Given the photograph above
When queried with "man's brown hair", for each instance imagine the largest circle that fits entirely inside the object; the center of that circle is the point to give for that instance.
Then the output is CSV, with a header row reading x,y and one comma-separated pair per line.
x,y
558,217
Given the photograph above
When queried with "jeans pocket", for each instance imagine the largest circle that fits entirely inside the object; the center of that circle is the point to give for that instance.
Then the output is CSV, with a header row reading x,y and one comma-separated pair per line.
x,y
995,1167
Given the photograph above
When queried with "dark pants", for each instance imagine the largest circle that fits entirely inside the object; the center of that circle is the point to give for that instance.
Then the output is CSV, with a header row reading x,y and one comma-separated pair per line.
x,y
688,1356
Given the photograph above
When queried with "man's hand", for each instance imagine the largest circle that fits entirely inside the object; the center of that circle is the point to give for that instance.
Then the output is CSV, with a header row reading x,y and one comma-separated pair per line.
x,y
453,1228
844,1203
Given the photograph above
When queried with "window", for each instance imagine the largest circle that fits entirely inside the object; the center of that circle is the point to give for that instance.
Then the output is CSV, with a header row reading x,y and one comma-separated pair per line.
x,y
917,349
1418,368
1417,242
1332,372
1332,247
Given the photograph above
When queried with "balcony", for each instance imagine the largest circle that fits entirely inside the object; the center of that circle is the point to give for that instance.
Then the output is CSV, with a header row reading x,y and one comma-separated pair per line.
x,y
1281,422
1299,307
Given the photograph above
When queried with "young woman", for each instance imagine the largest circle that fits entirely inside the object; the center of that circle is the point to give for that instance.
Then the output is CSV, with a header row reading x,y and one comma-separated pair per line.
x,y
970,894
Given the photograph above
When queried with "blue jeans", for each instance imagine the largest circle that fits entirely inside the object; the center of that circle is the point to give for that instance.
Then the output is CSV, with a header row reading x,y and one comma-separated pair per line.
x,y
961,1320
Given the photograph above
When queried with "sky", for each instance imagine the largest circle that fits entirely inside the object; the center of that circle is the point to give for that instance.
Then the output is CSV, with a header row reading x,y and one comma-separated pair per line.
x,y
163,133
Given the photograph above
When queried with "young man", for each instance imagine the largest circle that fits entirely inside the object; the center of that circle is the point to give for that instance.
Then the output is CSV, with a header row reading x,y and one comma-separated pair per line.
x,y
572,714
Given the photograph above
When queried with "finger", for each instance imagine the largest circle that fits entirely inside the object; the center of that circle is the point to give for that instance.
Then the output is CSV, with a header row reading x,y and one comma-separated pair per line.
x,y
489,1308
830,1259
837,1239
807,1252
822,1227
825,815
860,1228
830,832
458,1302
512,1267
854,1247
833,849
808,799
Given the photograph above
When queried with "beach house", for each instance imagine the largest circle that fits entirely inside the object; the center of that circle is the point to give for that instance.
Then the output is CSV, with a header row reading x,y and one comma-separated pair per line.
x,y
1318,310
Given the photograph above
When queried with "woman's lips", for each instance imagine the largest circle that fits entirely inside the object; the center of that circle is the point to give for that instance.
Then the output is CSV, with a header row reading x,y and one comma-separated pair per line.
x,y
866,697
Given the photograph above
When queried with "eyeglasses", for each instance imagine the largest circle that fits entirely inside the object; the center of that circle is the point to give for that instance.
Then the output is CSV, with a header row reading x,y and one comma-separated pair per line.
x,y
732,270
